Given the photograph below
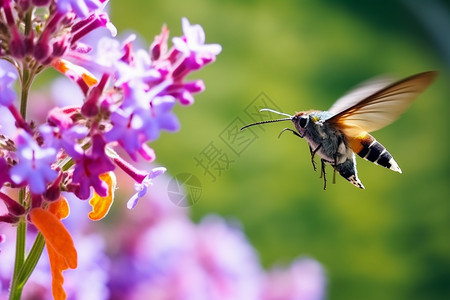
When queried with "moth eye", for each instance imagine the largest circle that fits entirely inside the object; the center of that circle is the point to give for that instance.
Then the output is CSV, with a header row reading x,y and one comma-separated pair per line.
x,y
303,122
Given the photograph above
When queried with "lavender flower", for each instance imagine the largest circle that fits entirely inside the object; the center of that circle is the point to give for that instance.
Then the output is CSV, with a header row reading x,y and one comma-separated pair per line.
x,y
34,166
7,93
82,8
88,169
141,188
193,46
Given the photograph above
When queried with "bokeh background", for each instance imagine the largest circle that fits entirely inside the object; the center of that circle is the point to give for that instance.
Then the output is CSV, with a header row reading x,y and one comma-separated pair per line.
x,y
390,241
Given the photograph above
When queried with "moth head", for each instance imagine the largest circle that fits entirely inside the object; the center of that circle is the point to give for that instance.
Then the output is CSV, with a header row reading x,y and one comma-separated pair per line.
x,y
301,121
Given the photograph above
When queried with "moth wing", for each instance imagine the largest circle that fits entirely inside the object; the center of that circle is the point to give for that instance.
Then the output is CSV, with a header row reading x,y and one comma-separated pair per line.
x,y
377,104
360,92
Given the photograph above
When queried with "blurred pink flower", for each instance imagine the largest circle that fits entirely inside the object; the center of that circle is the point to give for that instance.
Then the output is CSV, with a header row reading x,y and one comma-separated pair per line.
x,y
304,279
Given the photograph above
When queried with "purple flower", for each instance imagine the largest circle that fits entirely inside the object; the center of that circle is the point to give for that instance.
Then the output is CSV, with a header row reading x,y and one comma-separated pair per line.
x,y
67,139
34,166
89,167
141,188
192,44
230,263
139,72
7,93
183,92
63,133
82,8
139,121
130,132
162,112
176,259
105,55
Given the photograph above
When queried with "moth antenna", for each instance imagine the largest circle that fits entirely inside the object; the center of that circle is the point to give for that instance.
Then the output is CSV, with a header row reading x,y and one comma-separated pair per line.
x,y
265,122
274,111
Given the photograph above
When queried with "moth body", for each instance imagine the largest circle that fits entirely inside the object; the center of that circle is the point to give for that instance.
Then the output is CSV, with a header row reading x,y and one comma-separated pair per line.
x,y
328,142
337,134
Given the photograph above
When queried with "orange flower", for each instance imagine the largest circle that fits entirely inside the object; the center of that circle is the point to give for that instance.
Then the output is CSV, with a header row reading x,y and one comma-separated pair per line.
x,y
101,205
60,247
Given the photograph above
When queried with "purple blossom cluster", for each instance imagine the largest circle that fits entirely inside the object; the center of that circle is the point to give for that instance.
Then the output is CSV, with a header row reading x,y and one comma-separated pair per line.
x,y
126,98
125,105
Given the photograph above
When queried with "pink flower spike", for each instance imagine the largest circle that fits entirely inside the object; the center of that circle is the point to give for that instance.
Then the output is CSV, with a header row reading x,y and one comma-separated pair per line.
x,y
141,189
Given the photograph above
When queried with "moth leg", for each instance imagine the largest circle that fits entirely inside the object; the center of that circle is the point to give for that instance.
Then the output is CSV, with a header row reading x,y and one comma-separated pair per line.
x,y
322,172
313,153
334,170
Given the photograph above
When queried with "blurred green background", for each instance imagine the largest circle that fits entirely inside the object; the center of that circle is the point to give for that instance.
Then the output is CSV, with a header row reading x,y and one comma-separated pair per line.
x,y
390,241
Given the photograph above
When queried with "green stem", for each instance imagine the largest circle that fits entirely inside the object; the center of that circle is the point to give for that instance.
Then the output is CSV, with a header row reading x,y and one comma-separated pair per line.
x,y
32,260
20,251
28,22
26,83
27,267
21,274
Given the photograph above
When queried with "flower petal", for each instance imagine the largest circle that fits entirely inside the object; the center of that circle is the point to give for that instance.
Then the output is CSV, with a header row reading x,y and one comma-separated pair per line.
x,y
133,201
74,72
61,250
60,208
57,265
55,235
101,205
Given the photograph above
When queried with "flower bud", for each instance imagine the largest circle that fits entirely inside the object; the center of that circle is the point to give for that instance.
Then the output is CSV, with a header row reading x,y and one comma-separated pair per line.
x,y
42,49
24,4
17,44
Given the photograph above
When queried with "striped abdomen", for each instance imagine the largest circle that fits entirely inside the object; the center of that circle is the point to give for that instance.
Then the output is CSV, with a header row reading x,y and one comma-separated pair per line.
x,y
373,151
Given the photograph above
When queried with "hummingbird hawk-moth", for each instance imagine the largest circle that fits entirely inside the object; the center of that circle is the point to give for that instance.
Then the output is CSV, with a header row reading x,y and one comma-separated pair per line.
x,y
343,130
